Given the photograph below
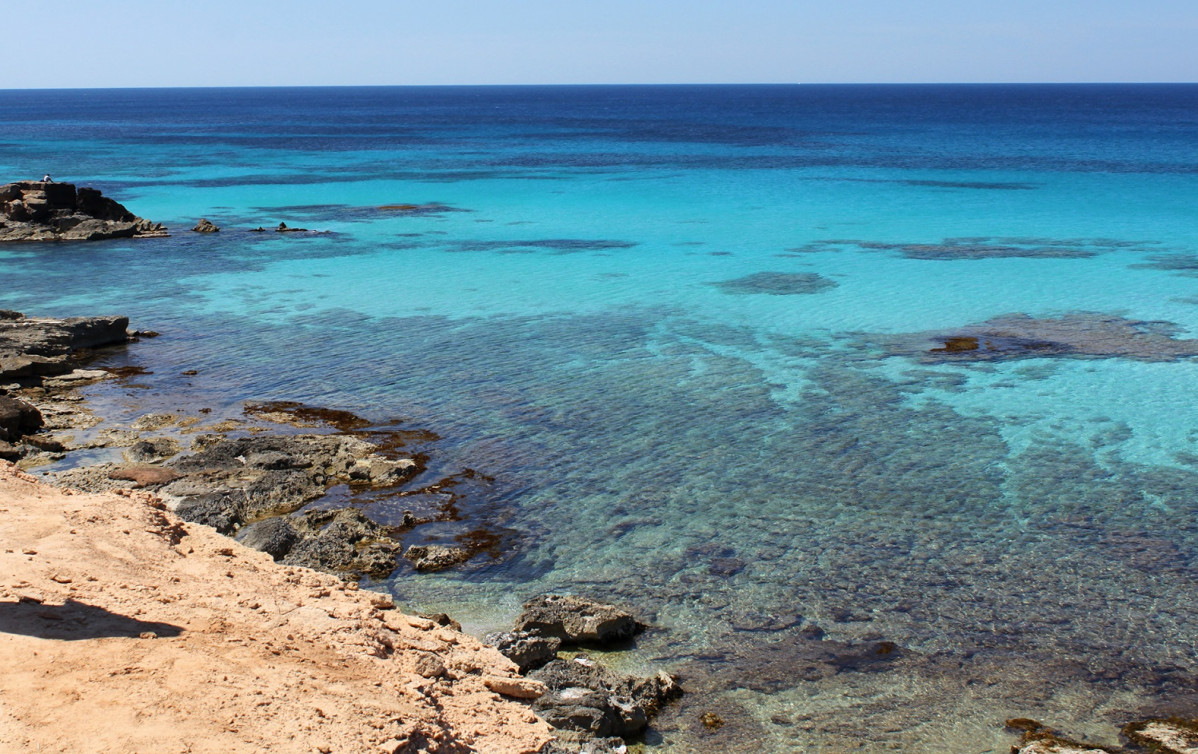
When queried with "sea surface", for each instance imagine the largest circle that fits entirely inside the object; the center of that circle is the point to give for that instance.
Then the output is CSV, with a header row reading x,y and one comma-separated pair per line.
x,y
707,352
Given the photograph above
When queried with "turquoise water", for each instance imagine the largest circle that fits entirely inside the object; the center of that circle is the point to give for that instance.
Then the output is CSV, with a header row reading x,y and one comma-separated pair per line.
x,y
687,332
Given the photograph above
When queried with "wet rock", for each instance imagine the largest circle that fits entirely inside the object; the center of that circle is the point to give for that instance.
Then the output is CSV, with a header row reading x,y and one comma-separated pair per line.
x,y
343,541
153,449
526,649
284,229
204,226
435,557
1038,739
577,620
273,536
48,211
1164,735
590,701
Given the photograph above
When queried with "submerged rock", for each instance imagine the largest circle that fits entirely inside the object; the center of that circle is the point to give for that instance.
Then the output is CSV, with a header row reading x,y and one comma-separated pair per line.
x,y
49,211
777,283
1039,739
577,620
1081,335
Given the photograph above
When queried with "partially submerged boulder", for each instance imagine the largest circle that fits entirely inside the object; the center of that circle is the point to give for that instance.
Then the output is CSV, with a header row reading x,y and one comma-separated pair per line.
x,y
205,226
586,700
49,211
577,620
435,557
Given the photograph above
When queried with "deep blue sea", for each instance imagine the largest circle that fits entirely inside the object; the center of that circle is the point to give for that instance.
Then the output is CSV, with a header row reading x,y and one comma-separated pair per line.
x,y
695,342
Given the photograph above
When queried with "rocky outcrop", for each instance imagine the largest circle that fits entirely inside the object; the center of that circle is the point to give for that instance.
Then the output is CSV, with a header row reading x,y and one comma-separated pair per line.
x,y
205,226
48,211
435,557
586,700
528,650
577,620
32,348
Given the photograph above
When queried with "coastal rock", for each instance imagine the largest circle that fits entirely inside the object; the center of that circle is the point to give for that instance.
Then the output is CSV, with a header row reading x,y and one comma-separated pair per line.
x,y
153,449
273,536
577,620
344,542
36,347
526,649
48,211
18,418
1165,736
435,557
590,701
145,476
205,226
284,229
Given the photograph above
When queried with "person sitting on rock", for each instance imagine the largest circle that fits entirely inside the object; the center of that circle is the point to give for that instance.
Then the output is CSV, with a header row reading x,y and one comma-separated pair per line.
x,y
47,179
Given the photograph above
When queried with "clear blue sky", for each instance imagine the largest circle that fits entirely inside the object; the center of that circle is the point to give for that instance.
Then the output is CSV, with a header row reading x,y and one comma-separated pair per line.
x,y
101,43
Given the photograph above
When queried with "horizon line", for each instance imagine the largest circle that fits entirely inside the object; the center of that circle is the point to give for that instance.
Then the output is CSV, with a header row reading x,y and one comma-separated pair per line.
x,y
597,85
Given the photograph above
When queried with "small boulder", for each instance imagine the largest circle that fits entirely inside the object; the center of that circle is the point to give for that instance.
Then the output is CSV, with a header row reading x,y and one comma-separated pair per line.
x,y
589,699
577,620
435,557
18,418
205,226
526,649
273,536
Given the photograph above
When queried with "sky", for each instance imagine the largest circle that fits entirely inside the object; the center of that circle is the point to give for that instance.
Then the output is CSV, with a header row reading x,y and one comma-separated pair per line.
x,y
120,43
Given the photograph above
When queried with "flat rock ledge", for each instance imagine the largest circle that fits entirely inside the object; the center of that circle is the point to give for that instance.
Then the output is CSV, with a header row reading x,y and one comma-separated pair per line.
x,y
49,211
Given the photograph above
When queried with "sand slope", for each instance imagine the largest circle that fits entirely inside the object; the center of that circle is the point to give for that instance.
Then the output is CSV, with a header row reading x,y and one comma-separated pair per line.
x,y
123,629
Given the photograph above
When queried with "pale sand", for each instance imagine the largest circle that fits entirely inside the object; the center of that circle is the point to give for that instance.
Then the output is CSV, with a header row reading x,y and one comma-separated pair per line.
x,y
262,657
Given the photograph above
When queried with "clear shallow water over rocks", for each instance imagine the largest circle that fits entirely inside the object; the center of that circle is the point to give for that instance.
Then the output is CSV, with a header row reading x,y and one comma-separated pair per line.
x,y
625,310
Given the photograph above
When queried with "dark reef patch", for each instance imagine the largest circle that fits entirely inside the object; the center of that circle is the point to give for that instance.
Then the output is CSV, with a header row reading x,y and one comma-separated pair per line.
x,y
1080,335
1182,264
555,245
777,284
978,247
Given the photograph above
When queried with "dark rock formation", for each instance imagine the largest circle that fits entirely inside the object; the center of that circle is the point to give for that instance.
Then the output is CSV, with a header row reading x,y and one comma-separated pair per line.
x,y
17,419
284,229
251,482
31,348
273,536
576,620
204,226
528,650
48,211
586,700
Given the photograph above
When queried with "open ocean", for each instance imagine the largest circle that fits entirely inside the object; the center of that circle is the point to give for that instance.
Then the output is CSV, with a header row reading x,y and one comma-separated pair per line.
x,y
697,342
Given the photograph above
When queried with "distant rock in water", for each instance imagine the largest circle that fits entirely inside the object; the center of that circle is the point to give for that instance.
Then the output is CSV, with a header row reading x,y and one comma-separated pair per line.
x,y
205,226
49,211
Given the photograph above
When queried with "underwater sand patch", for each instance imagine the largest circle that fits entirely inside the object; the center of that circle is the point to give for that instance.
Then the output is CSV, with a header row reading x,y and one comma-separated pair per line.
x,y
777,284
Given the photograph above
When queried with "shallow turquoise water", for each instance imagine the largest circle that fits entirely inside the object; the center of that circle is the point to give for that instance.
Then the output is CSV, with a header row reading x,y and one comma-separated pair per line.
x,y
724,459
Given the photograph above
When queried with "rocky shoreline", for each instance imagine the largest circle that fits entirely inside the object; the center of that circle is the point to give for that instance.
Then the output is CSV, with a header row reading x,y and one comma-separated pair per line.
x,y
257,481
262,481
51,211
